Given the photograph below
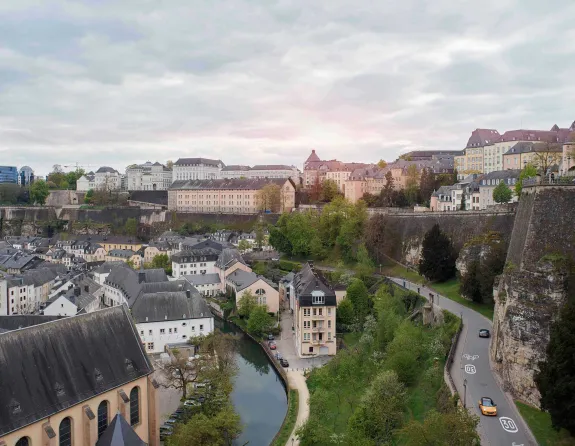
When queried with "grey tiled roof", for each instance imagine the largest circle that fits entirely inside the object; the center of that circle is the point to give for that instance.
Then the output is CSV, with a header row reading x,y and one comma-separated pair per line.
x,y
170,306
202,279
205,161
242,279
227,184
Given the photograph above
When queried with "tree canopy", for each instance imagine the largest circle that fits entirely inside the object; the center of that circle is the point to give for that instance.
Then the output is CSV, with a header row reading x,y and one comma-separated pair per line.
x,y
502,193
529,171
260,322
39,192
437,261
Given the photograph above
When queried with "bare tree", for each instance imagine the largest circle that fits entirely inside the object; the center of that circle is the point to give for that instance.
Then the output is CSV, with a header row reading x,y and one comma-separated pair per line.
x,y
547,155
269,198
180,372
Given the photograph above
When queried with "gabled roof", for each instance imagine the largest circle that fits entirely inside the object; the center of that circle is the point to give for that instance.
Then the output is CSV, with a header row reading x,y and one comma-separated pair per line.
x,y
526,147
119,433
50,367
106,169
228,257
242,279
272,167
501,175
228,184
235,168
18,321
121,253
309,280
202,279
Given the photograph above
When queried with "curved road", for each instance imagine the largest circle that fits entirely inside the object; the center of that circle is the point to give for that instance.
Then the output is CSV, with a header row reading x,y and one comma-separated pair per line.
x,y
471,363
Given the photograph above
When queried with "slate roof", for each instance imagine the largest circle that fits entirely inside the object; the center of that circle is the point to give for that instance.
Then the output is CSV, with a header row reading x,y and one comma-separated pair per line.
x,y
170,306
500,175
227,184
17,321
272,167
191,244
188,255
526,147
482,137
235,168
531,135
121,253
205,161
202,279
106,169
79,357
155,275
20,260
150,196
107,267
119,433
228,257
308,280
242,279
125,279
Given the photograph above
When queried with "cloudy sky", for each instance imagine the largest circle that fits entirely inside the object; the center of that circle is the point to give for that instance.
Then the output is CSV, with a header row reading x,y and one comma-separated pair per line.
x,y
113,82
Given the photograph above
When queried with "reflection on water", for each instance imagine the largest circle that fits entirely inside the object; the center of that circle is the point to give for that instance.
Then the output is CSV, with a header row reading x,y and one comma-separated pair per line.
x,y
259,395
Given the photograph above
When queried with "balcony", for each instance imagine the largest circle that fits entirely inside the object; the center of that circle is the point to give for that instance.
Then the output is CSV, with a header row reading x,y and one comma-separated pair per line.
x,y
317,341
317,329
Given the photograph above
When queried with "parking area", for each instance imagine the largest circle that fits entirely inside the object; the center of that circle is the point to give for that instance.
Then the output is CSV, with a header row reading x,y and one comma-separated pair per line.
x,y
168,398
286,346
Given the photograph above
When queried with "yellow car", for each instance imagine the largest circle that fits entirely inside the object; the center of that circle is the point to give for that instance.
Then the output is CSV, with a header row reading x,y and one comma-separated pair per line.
x,y
487,406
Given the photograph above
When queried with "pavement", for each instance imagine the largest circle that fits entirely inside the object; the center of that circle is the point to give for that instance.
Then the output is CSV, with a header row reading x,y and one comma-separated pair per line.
x,y
474,378
296,380
168,398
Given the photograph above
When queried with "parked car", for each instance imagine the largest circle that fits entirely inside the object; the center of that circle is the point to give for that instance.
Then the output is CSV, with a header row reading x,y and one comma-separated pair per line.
x,y
484,333
487,406
171,421
165,431
284,362
273,346
191,403
271,337
278,356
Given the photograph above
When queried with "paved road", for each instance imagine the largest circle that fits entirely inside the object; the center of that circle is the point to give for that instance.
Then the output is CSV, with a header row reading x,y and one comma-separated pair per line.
x,y
471,363
297,381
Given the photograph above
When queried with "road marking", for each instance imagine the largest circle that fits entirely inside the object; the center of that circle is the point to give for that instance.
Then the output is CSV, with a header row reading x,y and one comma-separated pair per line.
x,y
470,369
508,424
515,444
472,357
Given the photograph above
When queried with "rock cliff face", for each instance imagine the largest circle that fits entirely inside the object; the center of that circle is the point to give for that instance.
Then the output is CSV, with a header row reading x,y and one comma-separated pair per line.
x,y
532,288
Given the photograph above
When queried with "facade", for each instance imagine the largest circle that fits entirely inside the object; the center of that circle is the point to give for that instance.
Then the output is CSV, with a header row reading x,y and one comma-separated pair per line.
x,y
489,181
124,255
234,196
472,161
25,176
186,169
105,178
242,282
260,171
316,170
87,377
568,162
148,176
206,284
537,154
314,314
194,261
9,174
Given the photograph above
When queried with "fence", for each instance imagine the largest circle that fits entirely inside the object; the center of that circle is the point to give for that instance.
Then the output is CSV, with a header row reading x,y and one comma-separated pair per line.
x,y
546,181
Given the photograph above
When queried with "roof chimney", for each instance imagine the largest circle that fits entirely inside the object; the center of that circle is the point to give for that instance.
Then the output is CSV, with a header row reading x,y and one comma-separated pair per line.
x,y
86,288
188,294
77,291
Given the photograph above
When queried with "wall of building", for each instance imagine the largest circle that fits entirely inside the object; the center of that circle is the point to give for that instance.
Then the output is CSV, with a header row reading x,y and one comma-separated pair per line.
x,y
175,332
271,295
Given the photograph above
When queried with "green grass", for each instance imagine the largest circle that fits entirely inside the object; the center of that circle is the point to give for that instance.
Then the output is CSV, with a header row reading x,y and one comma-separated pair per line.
x,y
540,424
290,420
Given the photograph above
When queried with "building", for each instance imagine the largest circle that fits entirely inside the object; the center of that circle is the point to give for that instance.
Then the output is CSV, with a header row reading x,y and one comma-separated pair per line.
x,y
242,282
206,284
9,174
25,176
260,171
84,296
229,261
194,261
286,291
148,176
314,313
186,169
171,317
490,181
473,159
87,376
105,178
233,196
430,155
124,255
542,155
568,162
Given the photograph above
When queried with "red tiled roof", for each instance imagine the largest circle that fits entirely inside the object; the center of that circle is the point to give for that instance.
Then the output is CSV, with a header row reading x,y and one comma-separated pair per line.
x,y
481,137
312,157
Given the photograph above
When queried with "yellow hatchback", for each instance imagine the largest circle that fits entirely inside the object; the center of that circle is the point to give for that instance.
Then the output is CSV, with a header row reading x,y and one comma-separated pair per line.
x,y
487,407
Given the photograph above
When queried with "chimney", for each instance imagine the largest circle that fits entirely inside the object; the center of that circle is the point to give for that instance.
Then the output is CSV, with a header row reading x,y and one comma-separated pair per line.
x,y
77,291
141,276
188,294
86,288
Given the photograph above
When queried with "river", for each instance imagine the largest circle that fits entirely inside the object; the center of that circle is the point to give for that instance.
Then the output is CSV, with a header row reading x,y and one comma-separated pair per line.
x,y
259,395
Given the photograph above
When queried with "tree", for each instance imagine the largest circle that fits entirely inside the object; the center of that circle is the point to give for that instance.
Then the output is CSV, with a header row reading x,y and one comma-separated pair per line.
x,y
244,245
365,266
412,184
547,155
469,286
259,322
330,190
259,241
246,304
13,194
502,193
426,184
455,428
180,372
170,164
386,194
529,171
131,227
39,192
556,378
358,295
382,164
437,258
344,314
130,263
315,193
88,196
162,261
380,411
463,198
269,198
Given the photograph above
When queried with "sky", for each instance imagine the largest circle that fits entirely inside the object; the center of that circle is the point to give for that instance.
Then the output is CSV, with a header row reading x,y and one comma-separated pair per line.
x,y
116,82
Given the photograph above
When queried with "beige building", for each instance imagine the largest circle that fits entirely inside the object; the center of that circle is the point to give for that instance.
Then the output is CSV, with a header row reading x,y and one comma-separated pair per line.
x,y
568,163
542,155
314,314
124,255
317,170
242,282
87,378
472,159
230,196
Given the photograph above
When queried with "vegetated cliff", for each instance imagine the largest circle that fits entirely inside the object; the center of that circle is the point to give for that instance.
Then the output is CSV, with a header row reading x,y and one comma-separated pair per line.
x,y
28,221
399,236
532,288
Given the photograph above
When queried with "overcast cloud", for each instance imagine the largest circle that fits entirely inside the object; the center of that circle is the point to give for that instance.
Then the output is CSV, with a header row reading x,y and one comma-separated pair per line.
x,y
113,82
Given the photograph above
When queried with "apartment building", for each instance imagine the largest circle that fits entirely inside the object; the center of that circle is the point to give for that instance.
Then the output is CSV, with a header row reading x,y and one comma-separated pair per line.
x,y
196,169
317,170
314,313
105,178
87,378
148,176
260,171
9,174
124,255
543,155
233,196
489,182
242,282
194,261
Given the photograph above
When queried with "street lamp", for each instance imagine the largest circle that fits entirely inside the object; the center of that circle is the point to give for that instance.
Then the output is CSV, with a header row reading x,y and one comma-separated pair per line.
x,y
465,393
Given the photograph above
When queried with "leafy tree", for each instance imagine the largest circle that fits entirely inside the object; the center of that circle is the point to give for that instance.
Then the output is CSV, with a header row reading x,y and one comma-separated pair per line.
x,y
13,194
437,257
162,261
351,230
259,241
358,295
370,200
455,428
412,184
502,193
269,198
39,192
131,227
246,304
330,190
529,171
170,164
244,245
365,266
278,235
556,379
259,322
426,184
463,198
315,193
301,231
131,263
388,188
88,196
344,314
380,411
469,286
405,351
382,164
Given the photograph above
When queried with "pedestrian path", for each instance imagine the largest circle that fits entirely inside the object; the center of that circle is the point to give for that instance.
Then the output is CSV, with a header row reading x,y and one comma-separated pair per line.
x,y
297,381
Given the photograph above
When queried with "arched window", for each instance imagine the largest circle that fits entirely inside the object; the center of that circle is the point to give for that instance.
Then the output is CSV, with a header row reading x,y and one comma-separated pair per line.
x,y
135,406
24,441
102,417
65,432
261,292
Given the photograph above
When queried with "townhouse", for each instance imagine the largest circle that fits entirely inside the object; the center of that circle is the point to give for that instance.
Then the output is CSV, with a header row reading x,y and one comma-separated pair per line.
x,y
541,155
490,181
242,282
125,255
194,261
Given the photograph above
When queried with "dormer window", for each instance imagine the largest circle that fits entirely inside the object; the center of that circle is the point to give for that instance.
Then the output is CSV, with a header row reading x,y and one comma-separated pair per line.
x,y
318,300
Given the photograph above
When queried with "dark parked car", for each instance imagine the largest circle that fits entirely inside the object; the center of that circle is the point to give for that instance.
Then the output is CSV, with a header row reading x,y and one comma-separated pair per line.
x,y
484,333
278,356
271,337
165,431
284,362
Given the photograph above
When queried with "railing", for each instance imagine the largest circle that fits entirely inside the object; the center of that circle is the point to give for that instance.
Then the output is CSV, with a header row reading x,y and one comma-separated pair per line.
x,y
546,181
316,329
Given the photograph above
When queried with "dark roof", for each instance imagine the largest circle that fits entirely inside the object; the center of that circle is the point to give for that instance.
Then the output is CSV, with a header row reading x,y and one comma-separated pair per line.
x,y
150,196
227,184
155,275
119,433
20,260
49,367
205,161
202,279
272,167
532,135
242,279
125,279
41,276
228,257
482,137
235,168
191,244
525,147
107,267
17,321
309,280
170,306
189,254
122,253
500,175
106,169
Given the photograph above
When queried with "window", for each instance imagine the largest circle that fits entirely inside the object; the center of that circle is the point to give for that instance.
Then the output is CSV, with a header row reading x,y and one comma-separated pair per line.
x,y
328,324
162,331
314,311
306,311
150,346
170,331
201,327
318,299
321,311
175,329
329,335
24,441
142,332
135,406
65,432
102,417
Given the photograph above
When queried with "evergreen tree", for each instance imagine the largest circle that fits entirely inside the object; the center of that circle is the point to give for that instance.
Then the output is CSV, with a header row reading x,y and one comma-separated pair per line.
x,y
358,295
463,198
470,287
502,193
556,379
437,258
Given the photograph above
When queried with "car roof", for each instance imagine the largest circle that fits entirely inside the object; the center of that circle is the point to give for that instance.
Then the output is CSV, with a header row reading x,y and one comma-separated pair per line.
x,y
486,398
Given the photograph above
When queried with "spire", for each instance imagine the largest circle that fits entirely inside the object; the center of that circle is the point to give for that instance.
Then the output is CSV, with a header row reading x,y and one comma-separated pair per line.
x,y
312,157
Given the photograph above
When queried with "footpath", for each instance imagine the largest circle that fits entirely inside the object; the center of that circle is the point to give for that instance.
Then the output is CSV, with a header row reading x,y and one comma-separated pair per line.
x,y
296,380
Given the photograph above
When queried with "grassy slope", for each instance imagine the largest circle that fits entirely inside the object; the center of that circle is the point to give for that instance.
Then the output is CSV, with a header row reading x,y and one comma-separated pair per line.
x,y
540,424
290,419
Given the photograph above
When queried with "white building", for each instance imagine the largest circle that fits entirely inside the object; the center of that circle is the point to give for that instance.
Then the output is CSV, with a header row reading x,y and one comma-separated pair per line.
x,y
194,261
105,178
206,284
148,176
168,318
196,169
260,171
